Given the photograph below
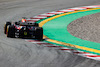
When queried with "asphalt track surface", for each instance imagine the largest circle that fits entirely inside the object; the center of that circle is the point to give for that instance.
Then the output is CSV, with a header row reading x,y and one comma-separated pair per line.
x,y
19,53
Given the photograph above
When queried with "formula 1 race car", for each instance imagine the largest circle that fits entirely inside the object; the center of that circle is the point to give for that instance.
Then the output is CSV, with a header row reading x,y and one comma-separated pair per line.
x,y
23,30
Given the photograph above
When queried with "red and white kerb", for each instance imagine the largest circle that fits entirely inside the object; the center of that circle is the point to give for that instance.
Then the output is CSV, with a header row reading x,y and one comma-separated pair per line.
x,y
49,14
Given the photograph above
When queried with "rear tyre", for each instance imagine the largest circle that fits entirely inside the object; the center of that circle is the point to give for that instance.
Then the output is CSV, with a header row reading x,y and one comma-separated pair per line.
x,y
11,31
5,27
39,33
36,24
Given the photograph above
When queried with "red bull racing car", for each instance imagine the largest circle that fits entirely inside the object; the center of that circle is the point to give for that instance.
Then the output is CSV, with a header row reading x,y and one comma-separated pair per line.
x,y
24,29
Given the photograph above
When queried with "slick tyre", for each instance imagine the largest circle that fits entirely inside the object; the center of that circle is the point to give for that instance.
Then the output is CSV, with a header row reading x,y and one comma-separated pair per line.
x,y
5,27
11,31
36,24
39,33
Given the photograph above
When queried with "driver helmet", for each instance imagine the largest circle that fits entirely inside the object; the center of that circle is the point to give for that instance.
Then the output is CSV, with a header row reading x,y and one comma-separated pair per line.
x,y
23,19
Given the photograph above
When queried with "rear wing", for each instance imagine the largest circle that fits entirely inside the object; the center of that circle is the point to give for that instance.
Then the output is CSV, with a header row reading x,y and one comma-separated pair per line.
x,y
26,24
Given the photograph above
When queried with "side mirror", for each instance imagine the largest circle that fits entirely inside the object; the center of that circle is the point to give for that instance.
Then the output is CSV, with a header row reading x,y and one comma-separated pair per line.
x,y
16,23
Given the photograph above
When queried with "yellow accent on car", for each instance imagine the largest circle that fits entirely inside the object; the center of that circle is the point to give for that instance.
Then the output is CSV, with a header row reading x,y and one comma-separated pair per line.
x,y
25,33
